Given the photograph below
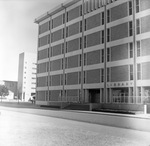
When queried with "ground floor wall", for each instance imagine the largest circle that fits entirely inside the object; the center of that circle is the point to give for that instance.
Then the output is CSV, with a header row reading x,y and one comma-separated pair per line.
x,y
118,98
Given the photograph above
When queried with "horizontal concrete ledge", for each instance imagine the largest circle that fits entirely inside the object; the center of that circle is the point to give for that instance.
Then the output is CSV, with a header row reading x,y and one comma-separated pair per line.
x,y
135,122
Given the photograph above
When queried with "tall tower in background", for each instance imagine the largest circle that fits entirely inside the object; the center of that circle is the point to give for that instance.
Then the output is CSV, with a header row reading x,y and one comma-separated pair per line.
x,y
26,75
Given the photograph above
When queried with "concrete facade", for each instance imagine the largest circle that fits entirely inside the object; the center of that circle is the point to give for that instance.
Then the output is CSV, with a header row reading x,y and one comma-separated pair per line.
x,y
26,76
95,48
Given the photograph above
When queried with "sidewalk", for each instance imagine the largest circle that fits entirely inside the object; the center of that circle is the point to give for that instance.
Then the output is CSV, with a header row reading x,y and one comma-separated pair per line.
x,y
136,122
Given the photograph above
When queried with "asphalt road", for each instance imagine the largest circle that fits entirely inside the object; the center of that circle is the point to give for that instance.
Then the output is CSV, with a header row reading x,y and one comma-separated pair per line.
x,y
24,129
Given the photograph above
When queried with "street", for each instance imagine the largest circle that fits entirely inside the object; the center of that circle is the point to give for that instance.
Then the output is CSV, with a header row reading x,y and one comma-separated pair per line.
x,y
24,129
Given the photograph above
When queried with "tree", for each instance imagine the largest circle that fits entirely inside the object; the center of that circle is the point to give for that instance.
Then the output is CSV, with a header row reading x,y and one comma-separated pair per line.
x,y
3,91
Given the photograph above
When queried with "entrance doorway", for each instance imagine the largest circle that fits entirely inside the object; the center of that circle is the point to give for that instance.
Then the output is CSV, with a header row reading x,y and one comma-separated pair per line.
x,y
94,95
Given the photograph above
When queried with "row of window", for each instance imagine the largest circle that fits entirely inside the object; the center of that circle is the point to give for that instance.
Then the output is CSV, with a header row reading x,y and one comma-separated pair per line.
x,y
89,6
74,95
61,34
101,79
101,57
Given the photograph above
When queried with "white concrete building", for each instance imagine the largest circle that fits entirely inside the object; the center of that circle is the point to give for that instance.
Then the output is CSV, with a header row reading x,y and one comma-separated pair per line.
x,y
26,75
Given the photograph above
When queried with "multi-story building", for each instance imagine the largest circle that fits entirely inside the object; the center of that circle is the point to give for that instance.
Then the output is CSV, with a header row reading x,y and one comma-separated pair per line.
x,y
95,51
27,75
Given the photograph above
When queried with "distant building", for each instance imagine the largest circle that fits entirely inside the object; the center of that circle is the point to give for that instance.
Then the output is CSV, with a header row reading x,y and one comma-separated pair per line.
x,y
12,87
95,51
26,76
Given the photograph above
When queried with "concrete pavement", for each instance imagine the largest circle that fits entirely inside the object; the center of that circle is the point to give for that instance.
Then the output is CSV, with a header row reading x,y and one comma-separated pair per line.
x,y
19,128
136,122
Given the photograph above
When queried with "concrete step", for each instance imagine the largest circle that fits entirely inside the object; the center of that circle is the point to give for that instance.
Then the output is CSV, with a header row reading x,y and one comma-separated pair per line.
x,y
73,106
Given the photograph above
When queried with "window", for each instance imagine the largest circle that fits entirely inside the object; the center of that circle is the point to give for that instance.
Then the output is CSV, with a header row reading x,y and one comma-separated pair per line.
x,y
131,72
131,50
62,63
87,7
137,6
47,64
108,54
102,75
51,37
63,18
84,41
65,81
48,52
80,26
66,62
84,77
62,48
102,18
102,37
130,28
67,17
52,24
47,81
66,31
108,16
138,48
138,26
79,77
85,59
80,60
80,43
63,33
66,47
49,24
139,71
108,35
108,74
85,24
51,51
50,83
102,55
130,7
139,94
61,79
81,10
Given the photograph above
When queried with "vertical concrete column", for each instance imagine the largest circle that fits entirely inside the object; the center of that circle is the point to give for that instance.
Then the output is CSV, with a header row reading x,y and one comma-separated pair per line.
x,y
105,51
49,57
135,52
82,55
63,92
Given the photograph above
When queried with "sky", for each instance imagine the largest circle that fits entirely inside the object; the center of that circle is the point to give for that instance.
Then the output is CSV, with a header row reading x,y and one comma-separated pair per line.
x,y
18,32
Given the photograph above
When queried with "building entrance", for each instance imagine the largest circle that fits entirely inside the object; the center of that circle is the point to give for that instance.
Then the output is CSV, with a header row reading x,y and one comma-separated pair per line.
x,y
94,95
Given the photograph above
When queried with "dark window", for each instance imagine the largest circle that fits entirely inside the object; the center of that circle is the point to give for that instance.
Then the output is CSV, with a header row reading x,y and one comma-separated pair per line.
x,y
138,26
108,54
108,35
139,71
108,16
102,18
130,28
131,72
131,50
130,7
138,48
84,41
137,6
80,26
80,43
